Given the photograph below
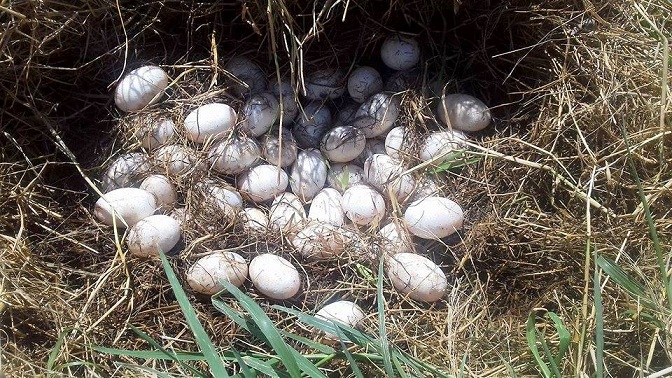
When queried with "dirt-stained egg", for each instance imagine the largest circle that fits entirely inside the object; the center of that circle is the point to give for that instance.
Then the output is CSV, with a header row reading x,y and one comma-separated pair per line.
x,y
345,312
343,176
129,204
400,52
259,114
175,159
464,112
377,114
386,174
279,152
327,207
249,77
441,144
153,234
161,187
343,143
363,82
416,276
318,240
210,122
325,84
221,196
284,93
141,87
311,125
363,205
155,133
262,183
126,171
398,143
433,217
396,238
309,174
234,155
287,214
205,274
274,276
254,220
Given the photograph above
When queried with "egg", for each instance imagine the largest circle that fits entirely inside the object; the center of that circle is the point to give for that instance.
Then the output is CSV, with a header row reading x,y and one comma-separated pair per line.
x,y
259,114
343,143
385,174
397,143
129,204
175,159
377,114
433,217
249,77
363,82
311,125
363,205
210,121
346,114
403,80
156,133
372,147
318,240
395,238
141,87
181,215
327,207
161,187
345,312
343,176
234,155
309,174
274,276
416,276
222,197
426,187
400,52
205,275
464,112
279,154
153,234
287,214
289,106
325,84
262,183
253,220
125,171
441,143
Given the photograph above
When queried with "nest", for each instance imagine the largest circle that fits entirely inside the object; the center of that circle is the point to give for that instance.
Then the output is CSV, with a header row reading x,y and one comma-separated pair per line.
x,y
580,100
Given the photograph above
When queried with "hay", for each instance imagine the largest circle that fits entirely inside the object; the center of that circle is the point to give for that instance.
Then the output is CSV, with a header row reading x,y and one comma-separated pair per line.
x,y
574,88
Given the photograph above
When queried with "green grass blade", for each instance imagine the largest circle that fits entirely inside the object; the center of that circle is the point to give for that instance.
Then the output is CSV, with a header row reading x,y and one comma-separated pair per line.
x,y
348,356
326,349
161,349
610,268
531,336
151,354
202,339
351,334
146,369
382,331
53,355
247,373
549,356
599,320
563,334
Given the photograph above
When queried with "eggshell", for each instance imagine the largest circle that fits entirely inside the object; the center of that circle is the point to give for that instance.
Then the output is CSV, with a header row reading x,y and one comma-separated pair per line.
x,y
319,240
343,143
275,153
181,215
385,174
398,143
259,114
210,121
250,78
403,80
416,276
153,234
372,147
125,171
131,204
325,84
262,183
205,275
343,176
345,312
309,174
377,114
175,159
433,217
253,220
161,187
464,112
400,52
363,82
156,133
396,238
234,155
346,114
441,143
287,214
311,125
327,207
363,205
426,187
141,87
289,106
222,196
274,276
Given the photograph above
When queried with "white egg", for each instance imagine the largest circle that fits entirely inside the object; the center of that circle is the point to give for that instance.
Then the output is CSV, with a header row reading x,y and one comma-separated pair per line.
x,y
234,155
279,154
345,312
141,87
157,133
309,174
153,234
433,217
205,275
210,121
254,220
464,112
373,146
377,114
161,187
397,143
416,276
175,159
222,197
129,204
274,276
325,84
400,52
311,125
343,176
385,174
364,82
320,241
259,114
250,78
327,207
342,144
287,214
125,171
396,238
441,143
262,183
363,205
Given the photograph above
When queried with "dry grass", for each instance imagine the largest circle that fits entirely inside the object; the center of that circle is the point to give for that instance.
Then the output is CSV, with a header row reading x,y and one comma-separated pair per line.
x,y
570,84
